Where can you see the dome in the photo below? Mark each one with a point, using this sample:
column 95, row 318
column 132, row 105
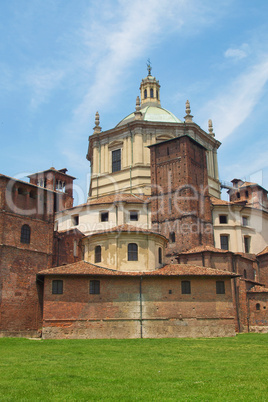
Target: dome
column 153, row 114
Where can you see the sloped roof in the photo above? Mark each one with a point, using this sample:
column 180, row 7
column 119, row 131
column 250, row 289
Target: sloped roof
column 258, row 289
column 264, row 251
column 217, row 201
column 86, row 268
column 200, row 249
column 119, row 197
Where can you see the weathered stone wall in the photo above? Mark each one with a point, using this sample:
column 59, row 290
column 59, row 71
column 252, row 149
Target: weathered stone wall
column 134, row 307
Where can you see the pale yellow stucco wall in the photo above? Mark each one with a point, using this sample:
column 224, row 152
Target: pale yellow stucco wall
column 114, row 251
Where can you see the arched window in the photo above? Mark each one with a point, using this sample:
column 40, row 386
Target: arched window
column 145, row 94
column 156, row 94
column 160, row 255
column 245, row 273
column 98, row 254
column 132, row 251
column 258, row 306
column 25, row 234
column 151, row 93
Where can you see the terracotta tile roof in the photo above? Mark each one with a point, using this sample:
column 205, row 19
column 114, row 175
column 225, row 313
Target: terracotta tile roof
column 217, row 201
column 200, row 249
column 115, row 198
column 258, row 289
column 70, row 231
column 264, row 251
column 127, row 229
column 248, row 183
column 86, row 268
column 251, row 257
column 120, row 197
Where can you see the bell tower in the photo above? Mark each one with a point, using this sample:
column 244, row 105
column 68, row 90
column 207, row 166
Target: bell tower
column 150, row 89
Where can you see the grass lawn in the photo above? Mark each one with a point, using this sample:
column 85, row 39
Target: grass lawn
column 218, row 369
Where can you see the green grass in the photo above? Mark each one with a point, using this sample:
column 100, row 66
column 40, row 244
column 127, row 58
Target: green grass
column 218, row 369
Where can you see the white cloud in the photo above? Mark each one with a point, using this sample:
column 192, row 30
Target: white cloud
column 124, row 33
column 237, row 53
column 41, row 83
column 230, row 109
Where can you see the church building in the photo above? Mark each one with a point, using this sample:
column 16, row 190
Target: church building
column 154, row 252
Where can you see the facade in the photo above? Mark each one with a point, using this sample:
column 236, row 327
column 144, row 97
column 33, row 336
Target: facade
column 145, row 256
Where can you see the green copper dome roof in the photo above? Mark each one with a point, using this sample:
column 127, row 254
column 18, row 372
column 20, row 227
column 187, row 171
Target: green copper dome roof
column 152, row 113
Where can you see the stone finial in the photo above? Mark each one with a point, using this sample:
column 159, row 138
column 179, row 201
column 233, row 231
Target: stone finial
column 210, row 128
column 188, row 118
column 137, row 113
column 138, row 104
column 97, row 128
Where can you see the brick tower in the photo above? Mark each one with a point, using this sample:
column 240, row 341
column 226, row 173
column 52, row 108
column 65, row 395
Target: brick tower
column 180, row 199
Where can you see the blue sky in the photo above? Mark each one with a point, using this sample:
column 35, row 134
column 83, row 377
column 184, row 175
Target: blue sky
column 61, row 61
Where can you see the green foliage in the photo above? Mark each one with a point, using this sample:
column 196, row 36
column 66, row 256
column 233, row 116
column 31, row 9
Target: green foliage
column 218, row 369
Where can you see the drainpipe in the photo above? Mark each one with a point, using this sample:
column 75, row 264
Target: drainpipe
column 141, row 306
column 203, row 258
column 116, row 214
column 236, row 294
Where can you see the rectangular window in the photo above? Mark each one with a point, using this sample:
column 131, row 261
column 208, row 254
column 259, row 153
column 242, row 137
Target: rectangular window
column 94, row 287
column 133, row 216
column 57, row 287
column 247, row 244
column 185, row 287
column 116, row 160
column 104, row 216
column 75, row 220
column 132, row 252
column 172, row 237
column 223, row 219
column 169, row 206
column 224, row 242
column 75, row 248
column 244, row 220
column 220, row 287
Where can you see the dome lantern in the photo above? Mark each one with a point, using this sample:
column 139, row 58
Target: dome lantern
column 150, row 89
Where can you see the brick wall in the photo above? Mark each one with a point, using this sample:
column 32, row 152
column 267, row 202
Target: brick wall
column 258, row 312
column 180, row 201
column 121, row 311
column 20, row 294
column 67, row 247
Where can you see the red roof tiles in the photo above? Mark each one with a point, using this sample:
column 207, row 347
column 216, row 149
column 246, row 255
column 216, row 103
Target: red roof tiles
column 86, row 268
column 258, row 289
column 200, row 249
column 264, row 251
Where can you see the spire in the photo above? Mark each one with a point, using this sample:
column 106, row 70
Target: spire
column 210, row 128
column 97, row 128
column 188, row 118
